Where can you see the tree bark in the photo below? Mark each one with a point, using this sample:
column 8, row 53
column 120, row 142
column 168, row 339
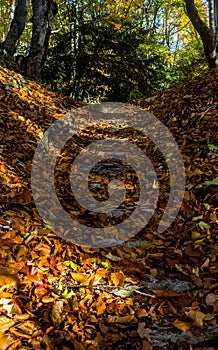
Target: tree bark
column 215, row 5
column 16, row 28
column 207, row 35
column 44, row 12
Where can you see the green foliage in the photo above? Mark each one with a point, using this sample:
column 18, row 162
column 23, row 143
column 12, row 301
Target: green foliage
column 107, row 63
column 116, row 50
column 120, row 51
column 190, row 60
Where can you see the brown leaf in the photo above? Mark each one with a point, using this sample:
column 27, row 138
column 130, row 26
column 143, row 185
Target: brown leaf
column 57, row 312
column 197, row 316
column 121, row 319
column 146, row 345
column 78, row 346
column 166, row 293
column 143, row 331
column 210, row 299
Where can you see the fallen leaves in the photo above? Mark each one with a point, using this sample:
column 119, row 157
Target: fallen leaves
column 8, row 280
column 54, row 294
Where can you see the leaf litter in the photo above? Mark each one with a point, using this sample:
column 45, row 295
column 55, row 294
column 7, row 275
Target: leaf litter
column 157, row 291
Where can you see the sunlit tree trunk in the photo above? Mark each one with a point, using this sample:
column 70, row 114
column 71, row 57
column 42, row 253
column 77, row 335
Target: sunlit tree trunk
column 1, row 29
column 12, row 9
column 16, row 28
column 208, row 35
column 44, row 12
column 216, row 17
column 75, row 18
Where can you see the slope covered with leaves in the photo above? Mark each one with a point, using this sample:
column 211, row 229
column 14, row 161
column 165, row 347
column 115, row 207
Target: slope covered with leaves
column 159, row 292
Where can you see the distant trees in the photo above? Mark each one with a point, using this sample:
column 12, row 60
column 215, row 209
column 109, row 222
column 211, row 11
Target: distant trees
column 109, row 49
column 120, row 50
column 208, row 34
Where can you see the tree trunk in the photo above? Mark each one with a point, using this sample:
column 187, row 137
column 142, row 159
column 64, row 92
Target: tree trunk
column 215, row 5
column 43, row 13
column 12, row 9
column 16, row 28
column 207, row 35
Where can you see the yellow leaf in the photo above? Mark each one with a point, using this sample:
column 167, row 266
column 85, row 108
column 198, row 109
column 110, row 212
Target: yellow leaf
column 6, row 323
column 6, row 295
column 117, row 25
column 5, row 341
column 183, row 326
column 197, row 316
column 79, row 277
column 118, row 278
column 142, row 313
column 8, row 281
column 196, row 235
column 113, row 257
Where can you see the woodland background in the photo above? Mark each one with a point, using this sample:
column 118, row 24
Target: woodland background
column 109, row 50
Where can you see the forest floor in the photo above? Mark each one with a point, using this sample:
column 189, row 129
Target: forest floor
column 161, row 291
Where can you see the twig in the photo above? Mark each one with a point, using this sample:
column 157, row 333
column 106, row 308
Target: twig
column 103, row 286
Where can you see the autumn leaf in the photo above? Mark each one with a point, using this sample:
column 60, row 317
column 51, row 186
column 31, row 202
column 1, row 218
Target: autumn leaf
column 6, row 323
column 121, row 319
column 147, row 345
column 100, row 306
column 117, row 278
column 57, row 315
column 71, row 264
column 183, row 326
column 41, row 290
column 143, row 331
column 197, row 316
column 8, row 280
column 79, row 277
column 78, row 346
column 6, row 340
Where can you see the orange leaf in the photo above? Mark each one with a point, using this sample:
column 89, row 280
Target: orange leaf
column 183, row 326
column 118, row 278
column 8, row 281
column 6, row 340
column 146, row 345
column 100, row 306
